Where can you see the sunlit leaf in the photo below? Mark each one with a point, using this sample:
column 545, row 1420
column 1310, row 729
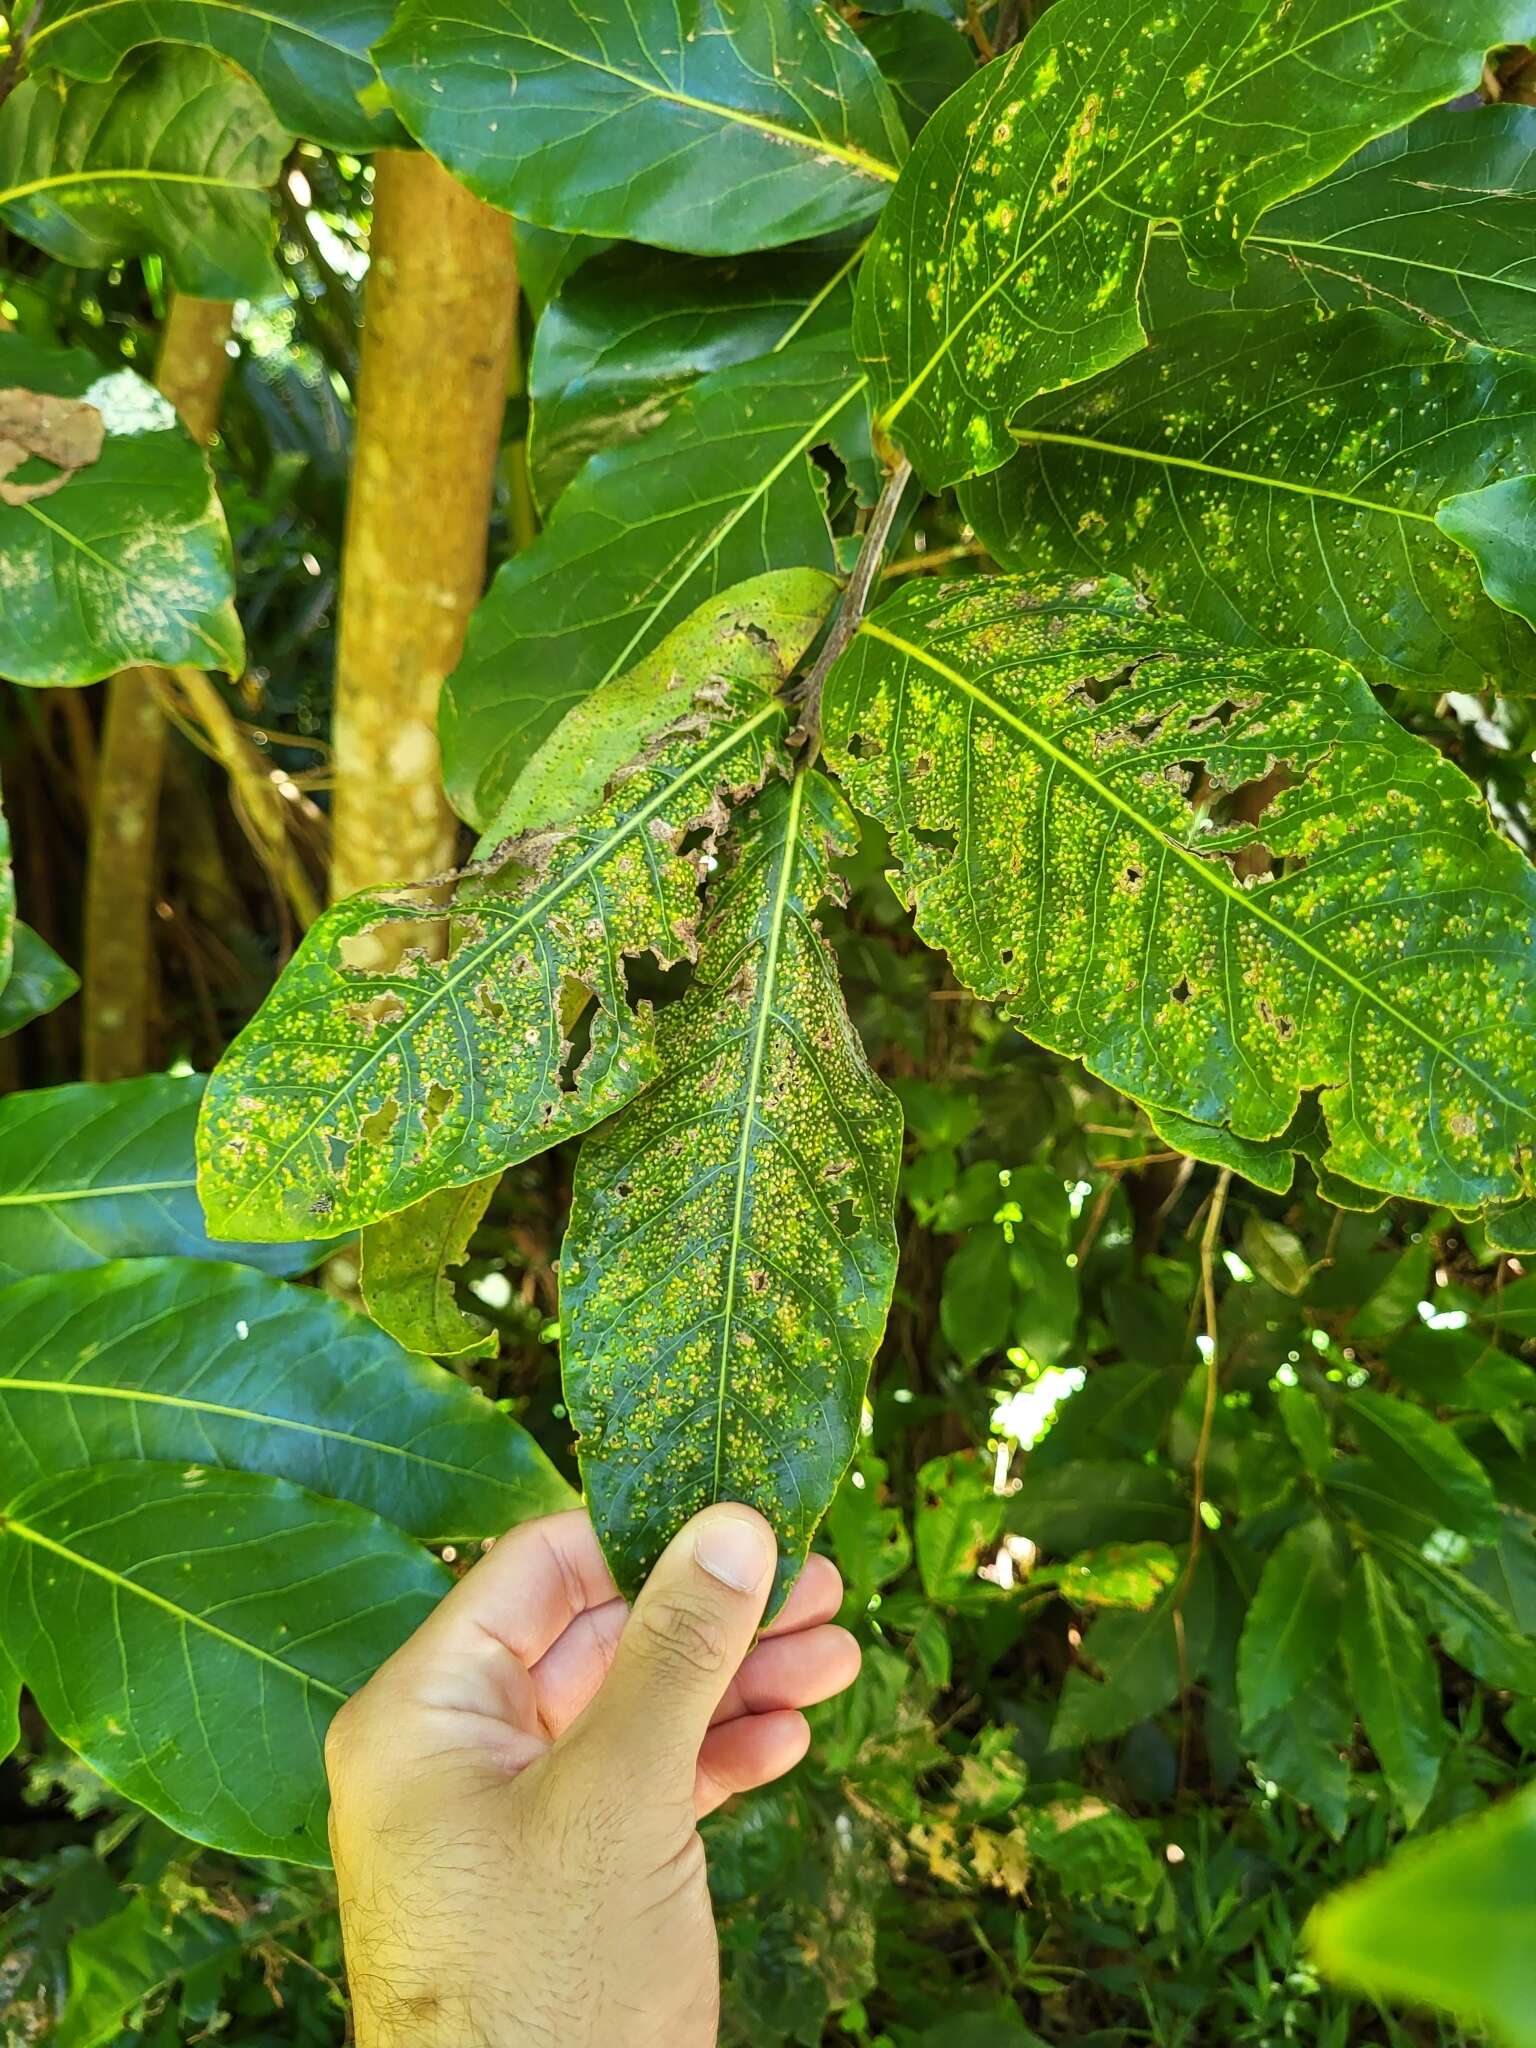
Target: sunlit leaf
column 1008, row 259
column 309, row 57
column 127, row 559
column 186, row 1362
column 408, row 1047
column 191, row 1633
column 956, row 1524
column 731, row 1249
column 732, row 127
column 101, row 1170
column 1446, row 1923
column 721, row 492
column 1065, row 780
column 406, row 1276
column 174, row 157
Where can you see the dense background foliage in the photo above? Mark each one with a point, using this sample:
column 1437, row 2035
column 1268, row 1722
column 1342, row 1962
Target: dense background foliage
column 1190, row 1532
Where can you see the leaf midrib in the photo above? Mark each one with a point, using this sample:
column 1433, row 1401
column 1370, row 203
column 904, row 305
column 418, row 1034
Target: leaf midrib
column 32, row 1198
column 765, row 1011
column 1162, row 459
column 1189, row 115
column 535, row 908
column 129, row 175
column 857, row 159
column 1207, row 873
column 9, row 1526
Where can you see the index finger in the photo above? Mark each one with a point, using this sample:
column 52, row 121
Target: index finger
column 528, row 1588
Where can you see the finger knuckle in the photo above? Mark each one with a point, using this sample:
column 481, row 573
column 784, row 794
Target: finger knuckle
column 687, row 1633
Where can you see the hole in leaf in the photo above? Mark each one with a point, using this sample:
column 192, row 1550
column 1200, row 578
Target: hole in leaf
column 1181, row 989
column 1248, row 801
column 940, row 837
column 377, row 1125
column 863, row 748
column 1099, row 689
column 387, row 1008
column 647, row 981
column 1132, row 877
column 1283, row 1027
column 435, row 1106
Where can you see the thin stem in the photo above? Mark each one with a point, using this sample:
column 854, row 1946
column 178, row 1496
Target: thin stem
column 855, row 600
column 1208, row 1238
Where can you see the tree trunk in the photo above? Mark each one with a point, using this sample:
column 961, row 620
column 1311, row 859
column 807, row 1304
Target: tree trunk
column 120, row 877
column 438, row 314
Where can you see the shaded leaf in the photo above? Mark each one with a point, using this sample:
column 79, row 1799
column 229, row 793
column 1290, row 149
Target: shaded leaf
column 1008, row 259
column 1304, row 1748
column 10, row 1706
column 1275, row 1253
column 309, row 57
column 1058, row 772
column 407, row 1261
column 217, row 1619
column 1433, row 221
column 722, row 491
column 976, row 1298
column 39, row 981
column 633, row 327
column 1075, row 1507
column 218, row 1366
column 407, row 1048
column 129, row 560
column 731, row 1248
column 1506, row 1570
column 958, row 1518
column 174, row 157
column 1119, row 1411
column 1472, row 1628
column 1396, row 1693
column 8, row 924
column 1253, row 471
column 1292, row 1626
column 755, row 124
column 1446, row 1923
column 1137, row 1654
column 1426, row 1462
column 923, row 58
column 101, row 1170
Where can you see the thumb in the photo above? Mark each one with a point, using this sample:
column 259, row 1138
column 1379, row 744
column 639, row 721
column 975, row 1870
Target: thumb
column 692, row 1625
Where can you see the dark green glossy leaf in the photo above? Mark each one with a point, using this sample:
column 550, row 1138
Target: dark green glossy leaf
column 1292, row 1627
column 1396, row 1693
column 1276, row 478
column 1118, row 1412
column 1497, row 527
column 407, row 1265
column 1008, row 259
column 1471, row 1626
column 1058, row 770
column 1446, row 1923
column 1426, row 1461
column 215, row 1365
column 1506, row 1570
column 1304, row 1748
column 191, row 1632
column 632, row 328
column 1074, row 1507
column 730, row 127
column 174, row 157
column 722, row 491
column 1137, row 1654
column 103, row 1170
column 309, row 57
column 1433, row 221
column 408, row 1047
column 731, row 1249
column 128, row 559
column 923, row 58
column 39, row 981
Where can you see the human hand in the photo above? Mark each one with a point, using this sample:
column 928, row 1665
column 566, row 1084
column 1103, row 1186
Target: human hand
column 515, row 1794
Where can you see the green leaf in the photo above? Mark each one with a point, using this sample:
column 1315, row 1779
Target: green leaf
column 1275, row 1253
column 1305, row 1422
column 1058, row 771
column 128, row 560
column 758, row 628
column 1304, row 1748
column 10, row 1706
column 407, row 1048
column 1250, row 469
column 756, row 124
column 191, row 1632
column 923, row 60
column 1075, row 1507
column 1446, row 1923
column 1265, row 1162
column 8, row 923
column 958, row 1518
column 976, row 1301
column 1497, row 527
column 731, row 1249
column 39, row 981
column 721, row 492
column 1426, row 1462
column 1137, row 1652
column 867, row 1535
column 309, row 57
column 1292, row 1628
column 103, row 1170
column 1472, row 1627
column 1433, row 221
column 174, row 157
column 1118, row 1575
column 634, row 327
column 1118, row 1412
column 1506, row 1570
column 406, row 1262
column 1396, row 1692
column 218, row 1366
column 1008, row 259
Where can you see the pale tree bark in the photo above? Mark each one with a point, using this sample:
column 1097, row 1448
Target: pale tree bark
column 438, row 317
column 193, row 366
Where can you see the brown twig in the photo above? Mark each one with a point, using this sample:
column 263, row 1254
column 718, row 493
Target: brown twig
column 851, row 609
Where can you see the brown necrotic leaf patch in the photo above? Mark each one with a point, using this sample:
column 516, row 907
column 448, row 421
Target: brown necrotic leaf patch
column 66, row 432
